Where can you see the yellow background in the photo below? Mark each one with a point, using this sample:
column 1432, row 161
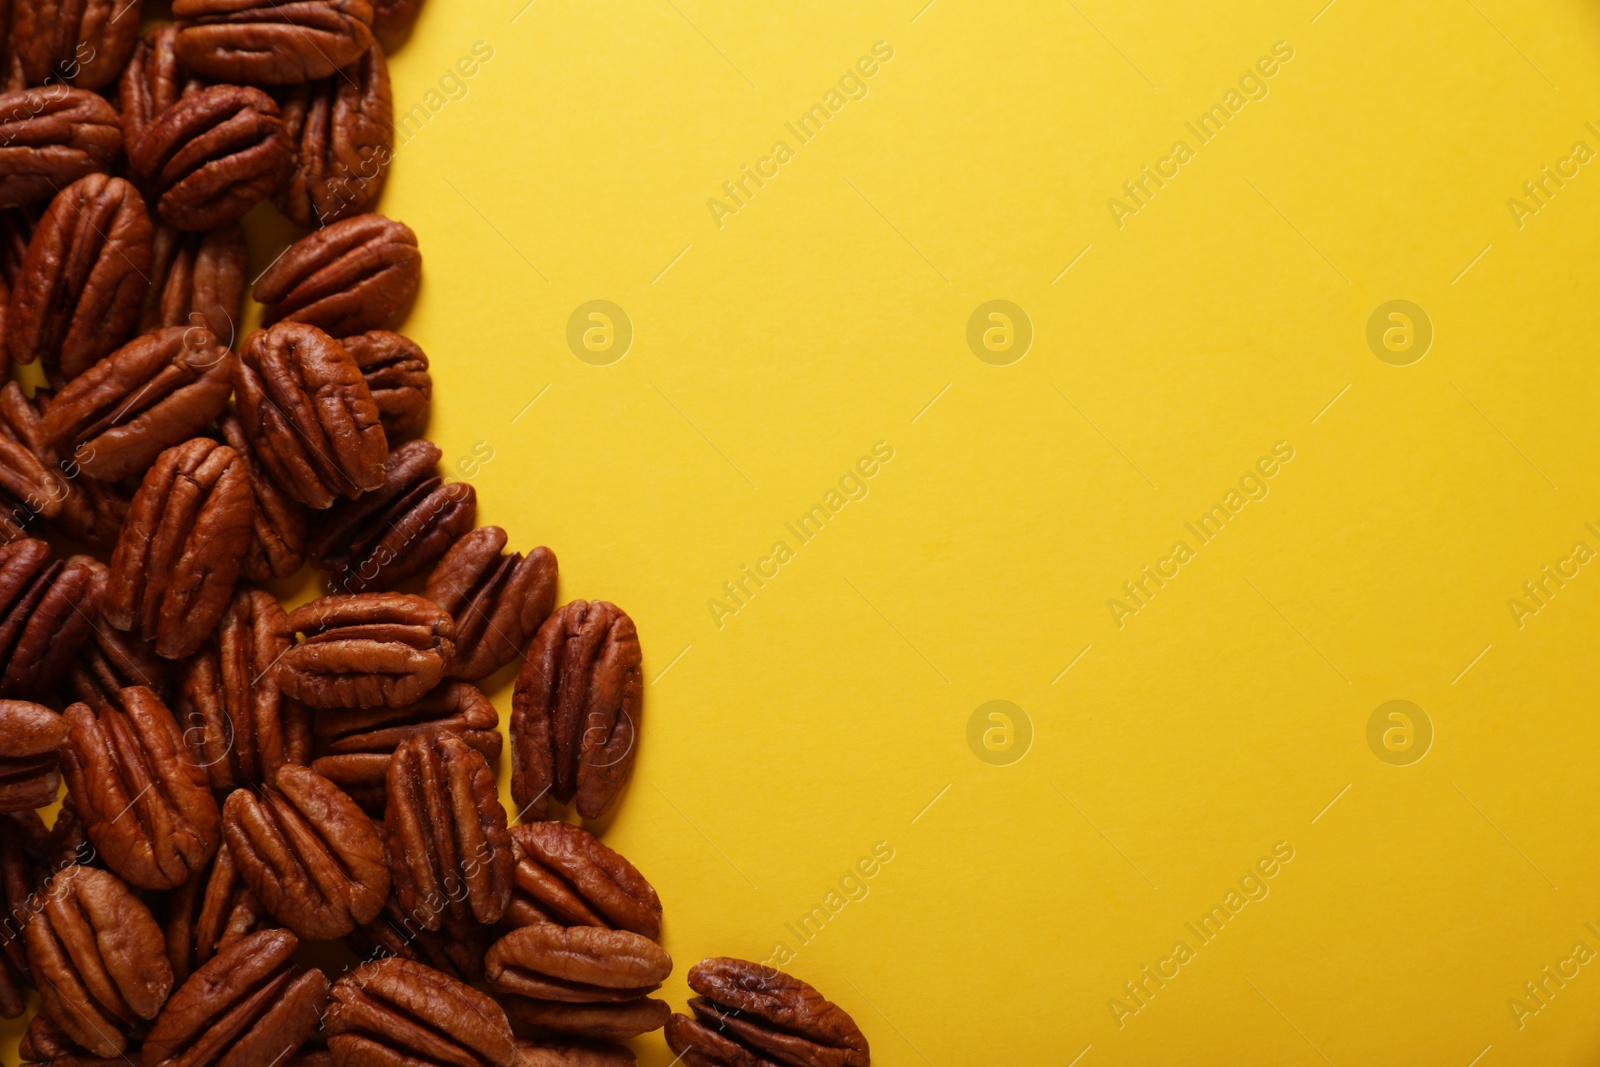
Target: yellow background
column 831, row 712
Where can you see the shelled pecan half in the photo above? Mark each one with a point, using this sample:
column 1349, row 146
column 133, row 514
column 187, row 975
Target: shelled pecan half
column 367, row 650
column 747, row 1013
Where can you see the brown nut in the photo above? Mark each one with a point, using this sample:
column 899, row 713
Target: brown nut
column 498, row 601
column 83, row 279
column 311, row 857
column 358, row 742
column 603, row 1021
column 575, row 713
column 305, row 406
column 238, row 727
column 209, row 913
column 96, row 952
column 396, row 370
column 90, row 511
column 112, row 661
column 45, row 613
column 248, row 1007
column 197, row 279
column 396, row 933
column 152, row 81
column 377, row 541
column 396, row 1011
column 144, row 803
column 187, row 532
column 747, row 1013
column 355, row 275
column 83, row 44
column 574, row 1054
column 268, row 43
column 567, row 876
column 30, row 773
column 367, row 650
column 279, row 546
column 43, row 1044
column 29, row 489
column 450, row 854
column 51, row 137
column 24, row 845
column 154, row 392
column 582, row 979
column 342, row 132
column 212, row 156
column 392, row 21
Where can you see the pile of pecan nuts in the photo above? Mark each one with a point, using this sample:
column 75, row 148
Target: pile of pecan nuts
column 242, row 781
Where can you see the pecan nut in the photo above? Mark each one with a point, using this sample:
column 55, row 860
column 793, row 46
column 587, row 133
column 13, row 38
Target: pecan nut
column 29, row 488
column 581, row 979
column 30, row 772
column 83, row 44
column 45, row 613
column 239, row 728
column 575, row 713
column 567, row 876
column 51, row 137
column 212, row 156
column 366, row 650
column 23, row 844
column 574, row 1054
column 601, row 1021
column 397, row 933
column 83, row 279
column 175, row 564
column 152, row 81
column 311, row 857
column 358, row 742
column 498, row 601
column 90, row 511
column 279, row 546
column 144, row 803
column 375, row 542
column 249, row 1005
column 44, row 1044
column 197, row 280
column 97, row 953
column 112, row 661
column 271, row 44
column 154, row 392
column 355, row 275
column 342, row 130
column 449, row 850
column 392, row 21
column 208, row 914
column 396, row 370
column 396, row 1011
column 304, row 404
column 750, row 1014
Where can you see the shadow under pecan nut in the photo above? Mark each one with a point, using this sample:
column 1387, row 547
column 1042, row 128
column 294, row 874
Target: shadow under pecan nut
column 83, row 279
column 144, row 803
column 375, row 542
column 395, row 932
column 575, row 712
column 303, row 403
column 396, row 370
column 582, row 979
column 251, row 1004
column 311, row 857
column 97, row 953
column 30, row 772
column 449, row 850
column 398, row 1011
column 268, row 43
column 342, row 131
column 498, row 601
column 82, row 43
column 154, row 392
column 24, row 860
column 567, row 876
column 209, row 913
column 197, row 279
column 366, row 650
column 174, row 567
column 238, row 726
column 747, row 1009
column 356, row 275
column 45, row 613
column 212, row 156
column 51, row 137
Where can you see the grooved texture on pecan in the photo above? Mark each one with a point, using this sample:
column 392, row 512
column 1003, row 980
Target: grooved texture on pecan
column 187, row 532
column 45, row 613
column 375, row 542
column 238, row 726
column 498, row 601
column 449, row 850
column 582, row 979
column 51, row 137
column 29, row 488
column 396, row 370
column 144, row 803
column 90, row 511
column 96, row 951
column 750, row 1014
column 355, row 275
column 342, row 132
column 197, row 279
column 83, row 279
column 30, row 774
column 575, row 713
column 397, row 1011
column 154, row 392
column 112, row 661
column 305, row 406
column 311, row 857
column 279, row 545
column 265, row 43
column 567, row 876
column 212, row 156
column 367, row 650
column 209, row 913
column 152, row 81
column 81, row 42
column 248, row 1007
column 395, row 932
